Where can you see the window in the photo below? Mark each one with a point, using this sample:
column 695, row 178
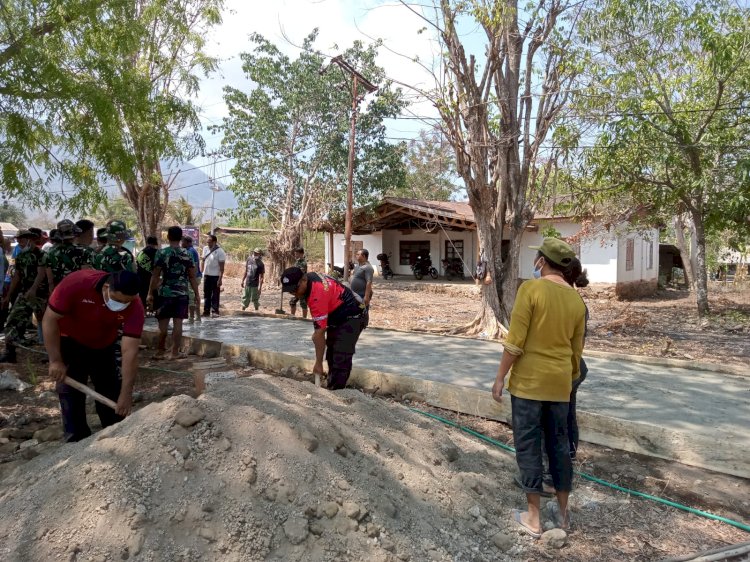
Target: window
column 650, row 254
column 408, row 250
column 629, row 254
column 356, row 246
column 454, row 249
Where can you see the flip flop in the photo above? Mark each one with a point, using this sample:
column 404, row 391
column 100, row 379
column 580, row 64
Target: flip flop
column 543, row 493
column 528, row 530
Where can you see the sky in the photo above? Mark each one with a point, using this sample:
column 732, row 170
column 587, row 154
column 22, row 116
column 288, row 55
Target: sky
column 340, row 23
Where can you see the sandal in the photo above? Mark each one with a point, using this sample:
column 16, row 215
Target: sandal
column 528, row 530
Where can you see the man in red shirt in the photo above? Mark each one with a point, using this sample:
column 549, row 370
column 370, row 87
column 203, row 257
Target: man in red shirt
column 81, row 325
column 338, row 319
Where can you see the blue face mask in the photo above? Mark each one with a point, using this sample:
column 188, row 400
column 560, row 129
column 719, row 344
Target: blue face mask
column 115, row 306
column 537, row 272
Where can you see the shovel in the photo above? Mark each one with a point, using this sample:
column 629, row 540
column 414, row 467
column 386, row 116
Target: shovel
column 90, row 392
column 281, row 310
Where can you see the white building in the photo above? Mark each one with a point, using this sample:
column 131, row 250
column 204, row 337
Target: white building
column 403, row 228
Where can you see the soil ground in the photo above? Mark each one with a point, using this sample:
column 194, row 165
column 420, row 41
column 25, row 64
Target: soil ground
column 609, row 525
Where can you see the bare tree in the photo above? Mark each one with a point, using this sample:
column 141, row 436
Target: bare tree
column 497, row 112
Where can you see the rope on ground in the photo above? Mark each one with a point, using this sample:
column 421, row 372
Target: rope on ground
column 594, row 479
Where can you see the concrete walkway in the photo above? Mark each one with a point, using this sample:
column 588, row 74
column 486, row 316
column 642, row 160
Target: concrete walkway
column 692, row 402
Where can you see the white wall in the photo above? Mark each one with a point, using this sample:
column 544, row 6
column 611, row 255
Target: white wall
column 370, row 242
column 640, row 271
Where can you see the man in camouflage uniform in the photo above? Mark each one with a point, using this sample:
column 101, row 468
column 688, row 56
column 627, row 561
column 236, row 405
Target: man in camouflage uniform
column 30, row 285
column 101, row 239
column 67, row 257
column 145, row 264
column 300, row 262
column 113, row 257
column 173, row 276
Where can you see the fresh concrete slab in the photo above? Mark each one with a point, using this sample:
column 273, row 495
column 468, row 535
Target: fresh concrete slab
column 679, row 409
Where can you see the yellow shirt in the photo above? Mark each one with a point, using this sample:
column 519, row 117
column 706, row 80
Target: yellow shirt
column 546, row 332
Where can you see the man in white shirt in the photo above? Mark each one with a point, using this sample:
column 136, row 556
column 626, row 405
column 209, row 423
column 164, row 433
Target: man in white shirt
column 213, row 262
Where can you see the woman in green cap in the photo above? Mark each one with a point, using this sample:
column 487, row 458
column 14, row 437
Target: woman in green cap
column 542, row 354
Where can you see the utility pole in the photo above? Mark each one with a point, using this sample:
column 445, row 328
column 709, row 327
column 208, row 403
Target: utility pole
column 214, row 188
column 357, row 79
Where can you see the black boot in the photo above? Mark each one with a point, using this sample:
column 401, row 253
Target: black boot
column 9, row 356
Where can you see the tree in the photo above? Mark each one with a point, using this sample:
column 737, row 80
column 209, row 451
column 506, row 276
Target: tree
column 289, row 134
column 496, row 112
column 669, row 92
column 12, row 213
column 181, row 212
column 430, row 169
column 117, row 208
column 45, row 86
column 165, row 63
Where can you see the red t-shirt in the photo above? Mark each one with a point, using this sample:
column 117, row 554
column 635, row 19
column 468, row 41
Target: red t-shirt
column 330, row 302
column 85, row 317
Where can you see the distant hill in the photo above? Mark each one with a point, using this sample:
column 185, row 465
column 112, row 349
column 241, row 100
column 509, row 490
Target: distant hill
column 192, row 183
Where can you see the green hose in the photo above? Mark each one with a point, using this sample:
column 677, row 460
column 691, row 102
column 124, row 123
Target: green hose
column 594, row 479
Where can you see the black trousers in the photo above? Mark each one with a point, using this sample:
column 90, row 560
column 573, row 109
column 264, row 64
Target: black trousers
column 210, row 294
column 144, row 282
column 84, row 363
column 341, row 342
column 532, row 421
column 572, row 419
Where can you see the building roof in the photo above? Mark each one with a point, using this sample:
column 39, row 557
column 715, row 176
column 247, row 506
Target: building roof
column 8, row 229
column 402, row 213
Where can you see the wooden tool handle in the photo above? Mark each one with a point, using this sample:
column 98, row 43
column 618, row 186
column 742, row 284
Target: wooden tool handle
column 90, row 392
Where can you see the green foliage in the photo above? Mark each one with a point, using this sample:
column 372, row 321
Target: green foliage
column 113, row 209
column 549, row 231
column 98, row 88
column 672, row 112
column 181, row 212
column 12, row 213
column 430, row 169
column 289, row 134
column 239, row 246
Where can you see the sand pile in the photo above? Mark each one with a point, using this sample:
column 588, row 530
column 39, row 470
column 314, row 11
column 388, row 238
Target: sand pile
column 265, row 468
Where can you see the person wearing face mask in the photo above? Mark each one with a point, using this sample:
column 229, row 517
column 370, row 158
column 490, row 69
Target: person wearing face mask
column 542, row 352
column 86, row 312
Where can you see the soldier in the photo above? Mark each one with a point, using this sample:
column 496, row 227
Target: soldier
column 300, row 262
column 30, row 285
column 67, row 257
column 145, row 264
column 113, row 257
column 173, row 276
column 101, row 239
column 86, row 236
column 252, row 281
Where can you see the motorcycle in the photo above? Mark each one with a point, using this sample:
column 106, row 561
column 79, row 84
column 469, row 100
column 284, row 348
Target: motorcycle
column 385, row 265
column 423, row 266
column 337, row 272
column 453, row 268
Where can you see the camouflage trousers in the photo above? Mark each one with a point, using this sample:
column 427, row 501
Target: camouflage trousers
column 19, row 317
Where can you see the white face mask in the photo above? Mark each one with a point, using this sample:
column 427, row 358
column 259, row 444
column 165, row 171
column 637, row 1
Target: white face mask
column 113, row 305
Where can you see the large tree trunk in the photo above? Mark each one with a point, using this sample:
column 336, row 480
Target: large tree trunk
column 701, row 270
column 281, row 251
column 687, row 258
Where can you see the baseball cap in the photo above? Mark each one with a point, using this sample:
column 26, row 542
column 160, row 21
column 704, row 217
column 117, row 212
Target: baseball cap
column 117, row 230
column 556, row 251
column 25, row 233
column 290, row 279
column 101, row 232
column 258, row 251
column 67, row 229
column 54, row 235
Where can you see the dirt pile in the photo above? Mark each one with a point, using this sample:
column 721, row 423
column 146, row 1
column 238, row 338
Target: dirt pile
column 265, row 468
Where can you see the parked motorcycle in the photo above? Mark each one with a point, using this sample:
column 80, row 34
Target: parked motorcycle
column 423, row 266
column 337, row 272
column 385, row 265
column 453, row 268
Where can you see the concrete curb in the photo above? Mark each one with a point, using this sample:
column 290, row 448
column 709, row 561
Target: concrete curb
column 717, row 454
column 736, row 370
